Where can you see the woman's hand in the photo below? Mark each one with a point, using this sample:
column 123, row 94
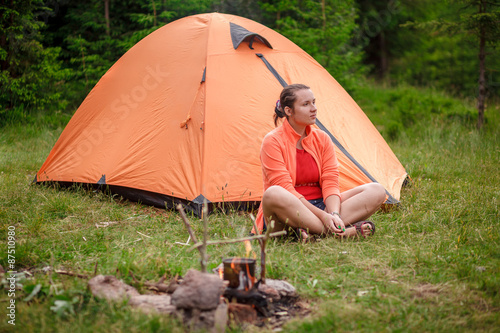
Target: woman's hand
column 339, row 224
column 333, row 223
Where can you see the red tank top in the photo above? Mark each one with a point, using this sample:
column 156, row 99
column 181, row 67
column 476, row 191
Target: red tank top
column 307, row 181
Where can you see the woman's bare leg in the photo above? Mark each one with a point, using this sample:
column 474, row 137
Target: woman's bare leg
column 286, row 210
column 359, row 204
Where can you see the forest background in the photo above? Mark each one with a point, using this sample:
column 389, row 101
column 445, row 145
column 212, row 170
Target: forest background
column 52, row 52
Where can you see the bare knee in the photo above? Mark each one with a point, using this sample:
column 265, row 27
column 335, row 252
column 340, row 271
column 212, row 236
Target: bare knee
column 377, row 193
column 274, row 196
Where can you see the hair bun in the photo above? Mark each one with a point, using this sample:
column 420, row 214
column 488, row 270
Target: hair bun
column 279, row 110
column 278, row 105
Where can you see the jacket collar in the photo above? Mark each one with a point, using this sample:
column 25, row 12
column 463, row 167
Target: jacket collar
column 290, row 133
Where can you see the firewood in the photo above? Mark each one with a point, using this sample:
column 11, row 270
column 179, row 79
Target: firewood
column 81, row 276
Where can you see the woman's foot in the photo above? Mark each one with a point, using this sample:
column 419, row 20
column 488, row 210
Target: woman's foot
column 362, row 228
column 303, row 235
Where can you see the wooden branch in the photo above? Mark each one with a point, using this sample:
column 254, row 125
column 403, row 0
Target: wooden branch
column 229, row 241
column 203, row 248
column 158, row 286
column 262, row 252
column 186, row 222
column 81, row 276
column 133, row 277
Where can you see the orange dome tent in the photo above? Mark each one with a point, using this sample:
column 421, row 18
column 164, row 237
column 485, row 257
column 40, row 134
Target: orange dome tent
column 180, row 118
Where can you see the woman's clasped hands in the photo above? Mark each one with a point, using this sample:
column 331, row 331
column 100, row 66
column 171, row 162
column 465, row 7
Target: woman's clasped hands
column 333, row 223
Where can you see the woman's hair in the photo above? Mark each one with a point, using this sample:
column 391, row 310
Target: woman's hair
column 287, row 98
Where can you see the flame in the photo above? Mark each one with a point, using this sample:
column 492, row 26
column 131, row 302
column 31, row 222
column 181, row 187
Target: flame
column 241, row 269
column 250, row 277
column 248, row 248
column 221, row 273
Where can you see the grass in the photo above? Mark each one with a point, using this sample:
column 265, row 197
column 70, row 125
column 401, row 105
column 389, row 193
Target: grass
column 433, row 265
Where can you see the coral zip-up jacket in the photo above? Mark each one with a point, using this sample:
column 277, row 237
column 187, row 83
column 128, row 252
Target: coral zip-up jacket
column 278, row 158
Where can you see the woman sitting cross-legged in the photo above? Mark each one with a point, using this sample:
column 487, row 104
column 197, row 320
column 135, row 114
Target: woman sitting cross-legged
column 301, row 176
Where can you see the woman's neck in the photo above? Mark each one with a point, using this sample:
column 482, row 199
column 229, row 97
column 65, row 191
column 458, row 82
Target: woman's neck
column 301, row 130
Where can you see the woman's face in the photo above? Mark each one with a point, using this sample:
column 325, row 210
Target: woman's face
column 304, row 109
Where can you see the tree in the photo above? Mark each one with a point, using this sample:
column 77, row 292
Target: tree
column 325, row 30
column 478, row 20
column 379, row 21
column 484, row 23
column 29, row 72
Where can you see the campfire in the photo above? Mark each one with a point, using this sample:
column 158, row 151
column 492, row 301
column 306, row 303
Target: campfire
column 230, row 294
column 250, row 300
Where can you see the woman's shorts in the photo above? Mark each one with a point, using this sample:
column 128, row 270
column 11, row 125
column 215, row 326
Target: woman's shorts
column 315, row 202
column 318, row 203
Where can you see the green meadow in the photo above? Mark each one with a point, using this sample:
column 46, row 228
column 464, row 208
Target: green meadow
column 432, row 266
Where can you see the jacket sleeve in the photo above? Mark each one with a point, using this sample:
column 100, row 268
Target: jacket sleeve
column 274, row 167
column 329, row 169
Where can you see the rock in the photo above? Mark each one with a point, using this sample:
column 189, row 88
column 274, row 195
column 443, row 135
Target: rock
column 110, row 288
column 198, row 291
column 152, row 303
column 214, row 320
column 220, row 318
column 270, row 292
column 242, row 313
column 284, row 288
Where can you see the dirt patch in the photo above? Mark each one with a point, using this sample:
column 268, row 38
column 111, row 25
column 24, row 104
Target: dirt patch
column 427, row 291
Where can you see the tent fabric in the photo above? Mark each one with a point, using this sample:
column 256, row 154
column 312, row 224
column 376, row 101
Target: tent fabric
column 181, row 116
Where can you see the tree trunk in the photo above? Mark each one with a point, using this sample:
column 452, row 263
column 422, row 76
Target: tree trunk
column 325, row 39
column 383, row 55
column 4, row 64
column 154, row 14
column 4, row 43
column 323, row 13
column 482, row 69
column 106, row 16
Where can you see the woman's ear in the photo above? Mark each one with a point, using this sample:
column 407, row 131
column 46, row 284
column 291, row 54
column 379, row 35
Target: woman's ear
column 288, row 111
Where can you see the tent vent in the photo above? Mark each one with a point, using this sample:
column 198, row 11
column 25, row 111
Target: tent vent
column 204, row 75
column 102, row 181
column 240, row 34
